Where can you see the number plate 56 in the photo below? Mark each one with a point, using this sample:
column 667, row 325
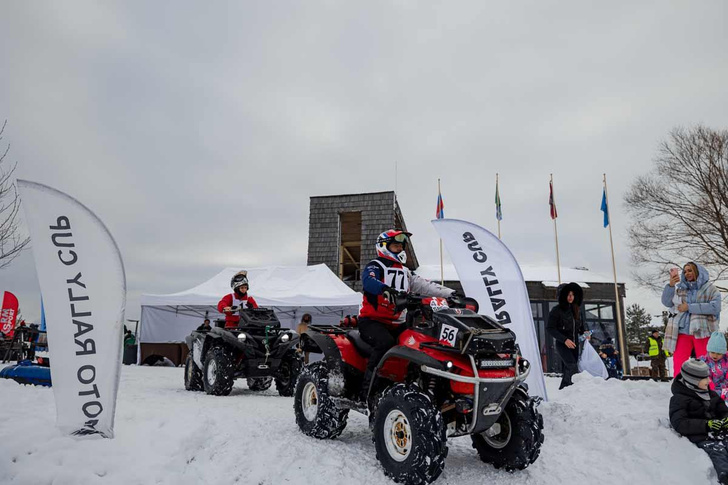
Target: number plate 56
column 448, row 334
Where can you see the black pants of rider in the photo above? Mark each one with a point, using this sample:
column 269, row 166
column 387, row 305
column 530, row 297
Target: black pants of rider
column 717, row 450
column 569, row 359
column 381, row 338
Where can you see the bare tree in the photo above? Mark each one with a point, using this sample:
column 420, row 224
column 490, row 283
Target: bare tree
column 680, row 209
column 12, row 240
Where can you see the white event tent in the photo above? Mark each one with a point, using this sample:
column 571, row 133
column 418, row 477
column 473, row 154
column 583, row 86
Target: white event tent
column 290, row 291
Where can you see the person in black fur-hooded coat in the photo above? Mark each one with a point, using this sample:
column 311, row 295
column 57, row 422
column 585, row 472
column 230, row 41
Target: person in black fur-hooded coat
column 565, row 325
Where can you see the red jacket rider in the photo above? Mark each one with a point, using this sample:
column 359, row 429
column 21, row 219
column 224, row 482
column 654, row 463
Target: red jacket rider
column 239, row 297
column 387, row 273
column 379, row 322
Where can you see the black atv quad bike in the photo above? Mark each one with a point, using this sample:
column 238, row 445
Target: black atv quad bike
column 258, row 349
column 453, row 373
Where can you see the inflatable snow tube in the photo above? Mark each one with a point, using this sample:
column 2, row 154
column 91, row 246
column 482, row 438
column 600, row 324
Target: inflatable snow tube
column 26, row 372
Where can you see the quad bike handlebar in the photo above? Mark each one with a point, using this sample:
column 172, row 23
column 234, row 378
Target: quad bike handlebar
column 404, row 300
column 237, row 308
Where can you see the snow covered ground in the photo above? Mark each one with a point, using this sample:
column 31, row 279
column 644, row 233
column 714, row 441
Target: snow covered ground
column 596, row 432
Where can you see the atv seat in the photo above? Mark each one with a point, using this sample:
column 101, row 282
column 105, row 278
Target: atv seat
column 355, row 338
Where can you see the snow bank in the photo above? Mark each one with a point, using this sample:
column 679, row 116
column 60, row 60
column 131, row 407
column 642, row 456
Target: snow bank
column 596, row 432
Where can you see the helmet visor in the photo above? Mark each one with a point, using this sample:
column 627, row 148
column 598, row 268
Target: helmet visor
column 400, row 238
column 240, row 278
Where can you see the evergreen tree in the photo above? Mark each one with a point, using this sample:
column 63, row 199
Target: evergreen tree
column 638, row 324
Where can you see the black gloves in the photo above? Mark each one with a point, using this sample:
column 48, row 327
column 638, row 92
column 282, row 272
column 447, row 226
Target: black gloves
column 389, row 294
column 456, row 299
column 248, row 305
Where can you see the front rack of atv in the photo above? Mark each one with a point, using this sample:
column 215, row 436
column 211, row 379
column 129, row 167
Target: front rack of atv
column 495, row 408
column 253, row 329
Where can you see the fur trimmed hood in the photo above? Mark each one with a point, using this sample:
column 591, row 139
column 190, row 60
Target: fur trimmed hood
column 563, row 292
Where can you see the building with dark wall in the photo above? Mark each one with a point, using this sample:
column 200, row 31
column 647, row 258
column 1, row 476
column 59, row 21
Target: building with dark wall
column 343, row 230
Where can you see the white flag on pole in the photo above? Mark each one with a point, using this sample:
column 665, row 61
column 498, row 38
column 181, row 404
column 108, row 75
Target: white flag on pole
column 489, row 273
column 83, row 284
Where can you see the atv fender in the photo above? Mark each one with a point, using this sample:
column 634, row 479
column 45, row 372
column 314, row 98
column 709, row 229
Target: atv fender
column 408, row 354
column 217, row 334
column 323, row 344
column 411, row 355
column 522, row 389
column 283, row 348
column 202, row 342
column 206, row 340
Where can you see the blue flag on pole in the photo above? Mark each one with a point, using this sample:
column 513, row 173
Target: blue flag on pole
column 498, row 209
column 42, row 316
column 605, row 208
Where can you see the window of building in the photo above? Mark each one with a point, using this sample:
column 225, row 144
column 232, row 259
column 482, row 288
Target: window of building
column 599, row 318
column 350, row 246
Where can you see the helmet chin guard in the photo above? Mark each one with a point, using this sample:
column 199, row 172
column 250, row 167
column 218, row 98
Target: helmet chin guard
column 388, row 237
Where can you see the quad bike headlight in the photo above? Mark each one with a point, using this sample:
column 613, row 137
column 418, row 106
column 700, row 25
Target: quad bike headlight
column 242, row 336
column 496, row 363
column 285, row 338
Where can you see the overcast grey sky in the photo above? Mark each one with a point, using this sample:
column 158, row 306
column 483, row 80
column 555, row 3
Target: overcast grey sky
column 198, row 131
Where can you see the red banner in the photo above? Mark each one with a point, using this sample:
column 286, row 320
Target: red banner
column 8, row 314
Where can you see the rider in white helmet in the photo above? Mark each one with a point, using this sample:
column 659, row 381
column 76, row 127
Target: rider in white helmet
column 379, row 321
column 239, row 297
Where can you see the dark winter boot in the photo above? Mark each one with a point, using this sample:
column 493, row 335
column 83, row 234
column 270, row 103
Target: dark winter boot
column 364, row 391
column 569, row 370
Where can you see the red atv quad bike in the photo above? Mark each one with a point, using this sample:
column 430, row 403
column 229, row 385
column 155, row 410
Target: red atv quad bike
column 453, row 373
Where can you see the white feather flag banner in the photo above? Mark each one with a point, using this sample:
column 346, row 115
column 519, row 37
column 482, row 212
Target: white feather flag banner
column 83, row 284
column 489, row 272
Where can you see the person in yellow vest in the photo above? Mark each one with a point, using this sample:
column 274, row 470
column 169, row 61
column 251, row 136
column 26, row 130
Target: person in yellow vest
column 657, row 355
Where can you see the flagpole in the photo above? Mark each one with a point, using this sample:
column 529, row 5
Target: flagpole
column 556, row 233
column 442, row 272
column 620, row 333
column 496, row 188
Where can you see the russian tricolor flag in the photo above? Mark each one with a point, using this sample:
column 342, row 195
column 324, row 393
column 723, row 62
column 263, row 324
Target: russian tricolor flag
column 440, row 213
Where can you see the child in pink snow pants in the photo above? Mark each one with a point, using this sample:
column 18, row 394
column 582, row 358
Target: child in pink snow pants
column 717, row 361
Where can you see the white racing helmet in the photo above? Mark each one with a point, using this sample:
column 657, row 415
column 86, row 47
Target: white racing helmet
column 240, row 279
column 391, row 236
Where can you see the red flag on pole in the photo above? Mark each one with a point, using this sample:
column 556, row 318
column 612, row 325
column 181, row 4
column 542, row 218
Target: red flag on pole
column 440, row 211
column 8, row 314
column 552, row 203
